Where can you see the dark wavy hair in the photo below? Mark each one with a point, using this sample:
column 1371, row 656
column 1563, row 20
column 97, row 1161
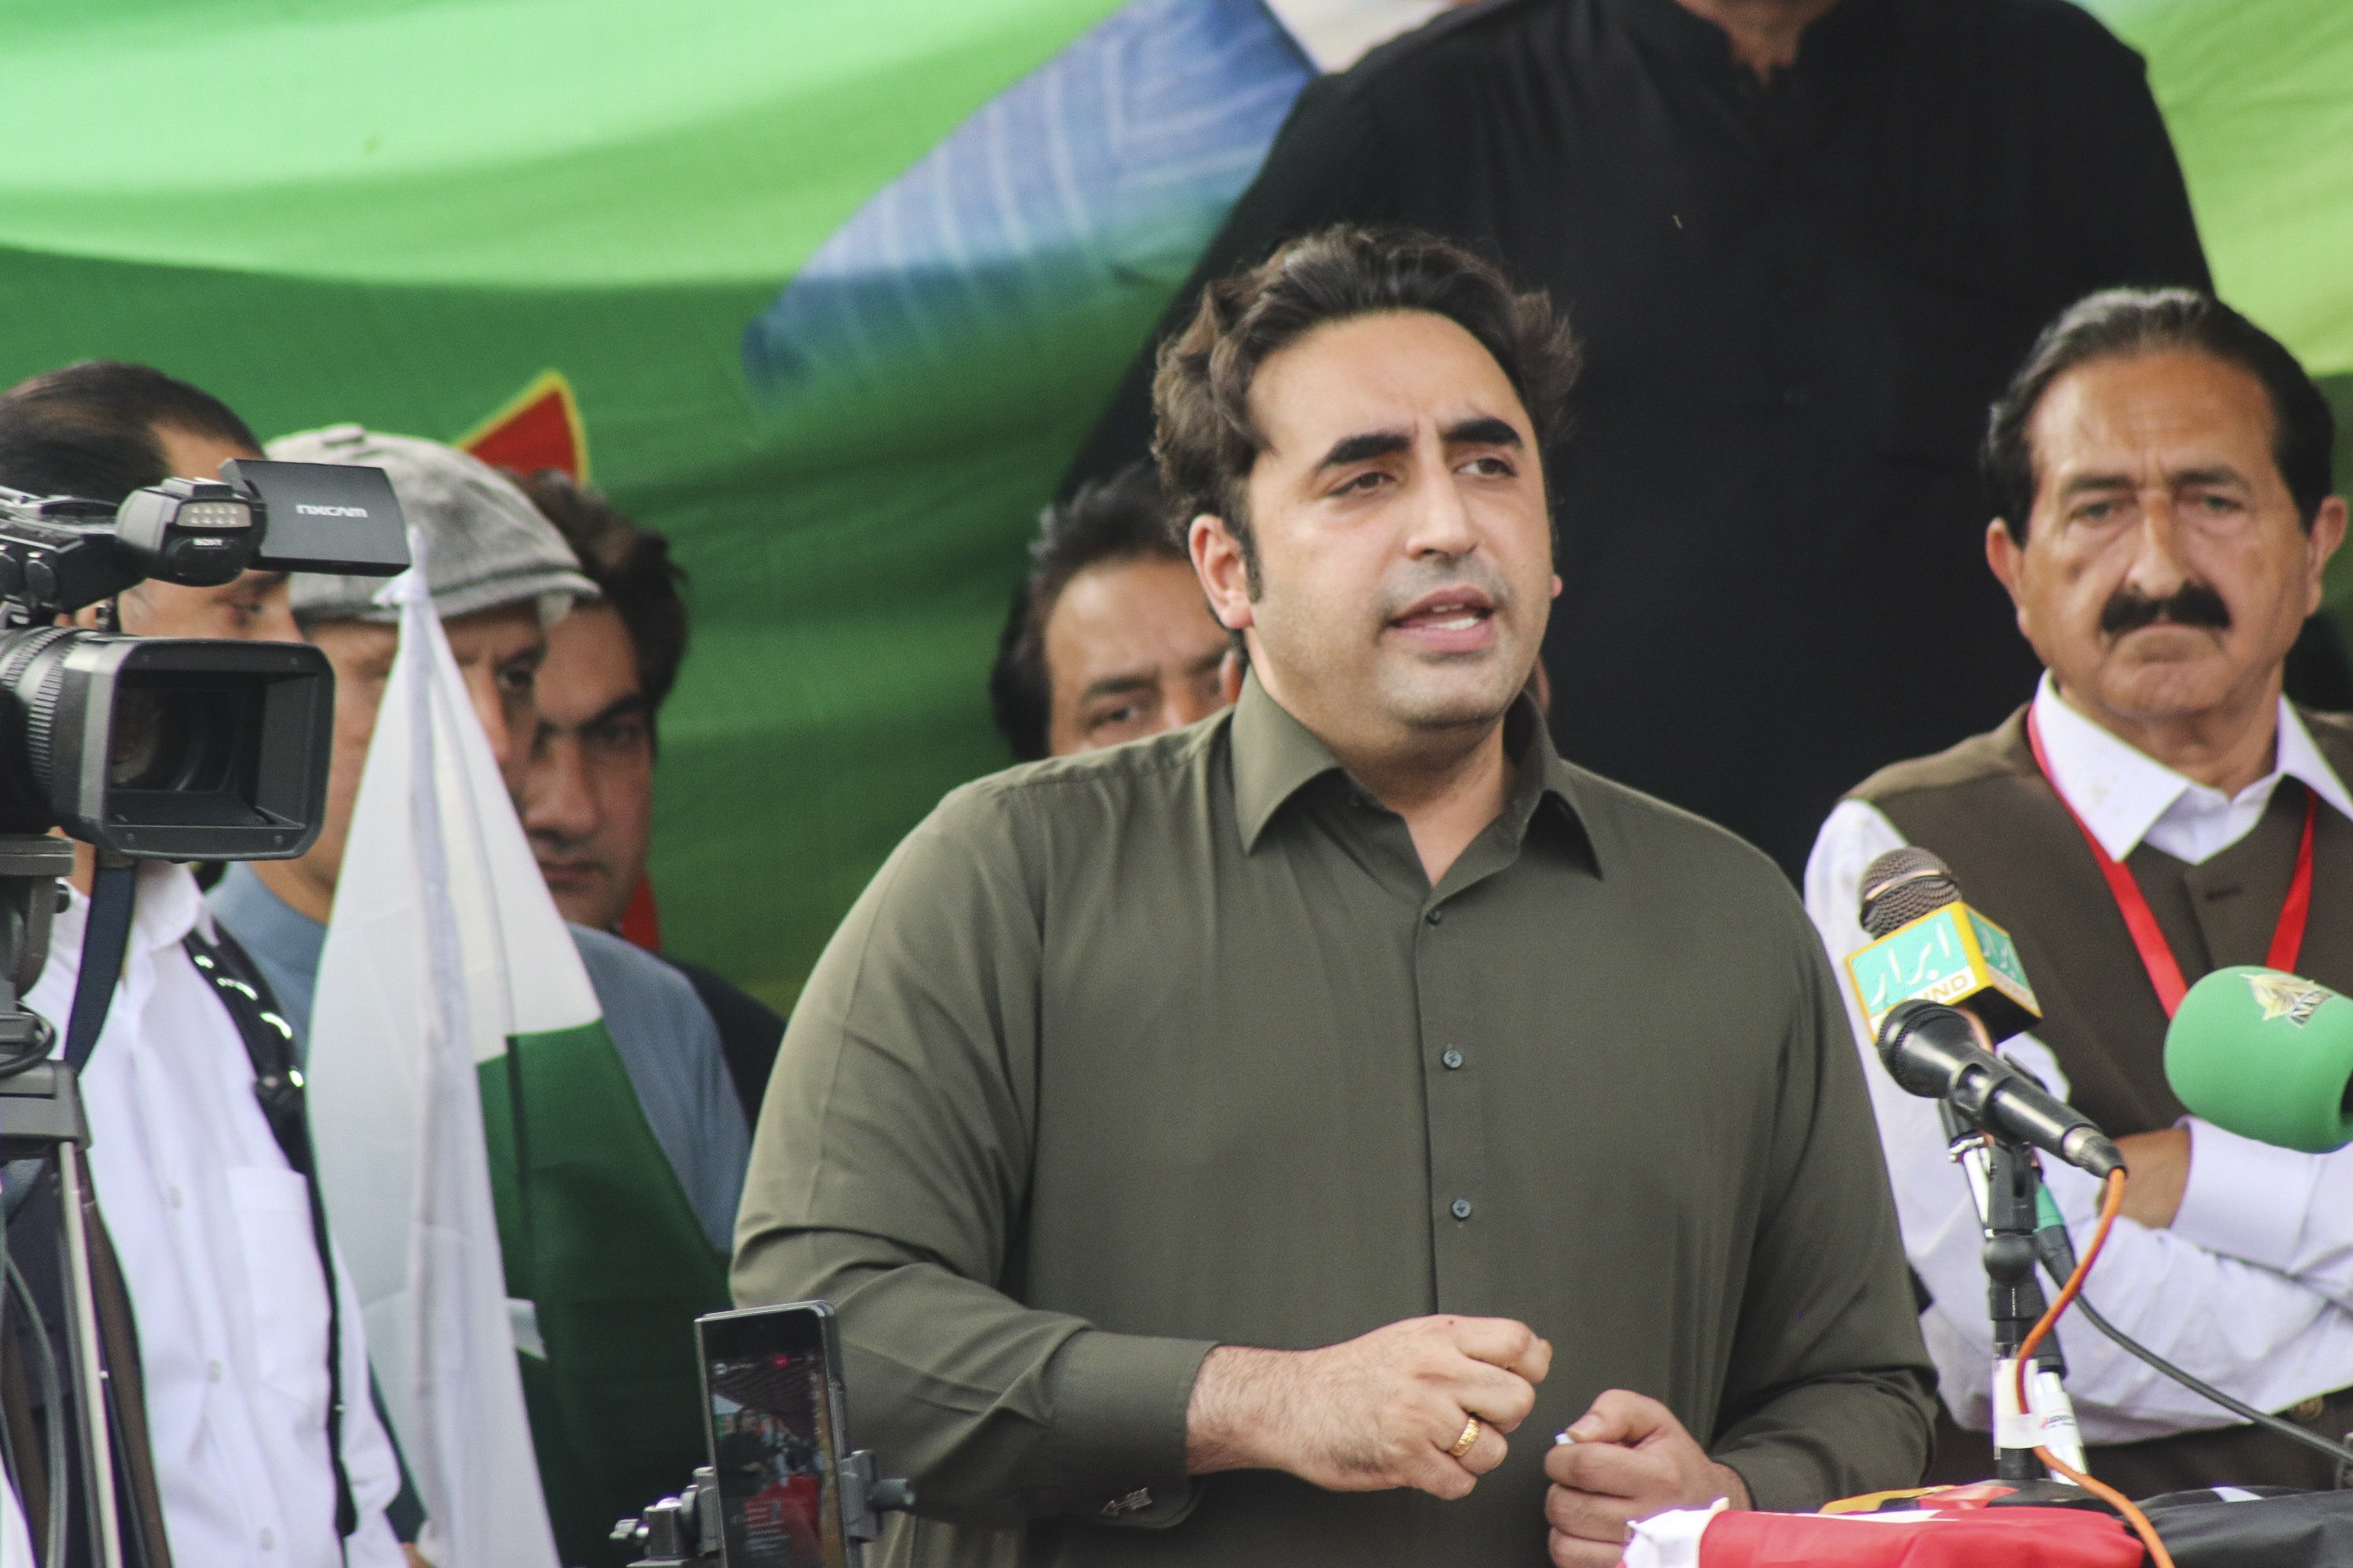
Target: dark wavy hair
column 631, row 567
column 2120, row 323
column 1123, row 518
column 1203, row 438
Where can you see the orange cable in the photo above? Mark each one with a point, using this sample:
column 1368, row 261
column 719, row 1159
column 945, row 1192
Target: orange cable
column 2112, row 1203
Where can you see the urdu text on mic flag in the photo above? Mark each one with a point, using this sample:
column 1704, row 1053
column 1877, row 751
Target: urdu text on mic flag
column 528, row 1266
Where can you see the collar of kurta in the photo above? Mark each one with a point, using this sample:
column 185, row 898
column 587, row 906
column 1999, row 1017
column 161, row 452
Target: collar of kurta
column 2120, row 791
column 1275, row 757
column 1851, row 36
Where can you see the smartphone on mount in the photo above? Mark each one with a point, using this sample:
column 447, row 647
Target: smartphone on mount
column 772, row 1380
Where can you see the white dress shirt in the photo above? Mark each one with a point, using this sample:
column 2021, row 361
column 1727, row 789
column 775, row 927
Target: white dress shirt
column 2251, row 1287
column 213, row 1231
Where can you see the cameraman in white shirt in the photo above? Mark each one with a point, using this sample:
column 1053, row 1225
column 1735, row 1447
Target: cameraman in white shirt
column 211, row 1224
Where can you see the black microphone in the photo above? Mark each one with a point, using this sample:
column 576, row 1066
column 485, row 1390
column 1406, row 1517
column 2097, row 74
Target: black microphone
column 1935, row 1051
column 1932, row 1050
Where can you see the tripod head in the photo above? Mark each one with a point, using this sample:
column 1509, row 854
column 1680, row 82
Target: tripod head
column 32, row 867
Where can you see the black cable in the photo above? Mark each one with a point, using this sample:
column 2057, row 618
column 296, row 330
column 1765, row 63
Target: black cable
column 52, row 1401
column 2057, row 1252
column 9, row 1458
column 34, row 1050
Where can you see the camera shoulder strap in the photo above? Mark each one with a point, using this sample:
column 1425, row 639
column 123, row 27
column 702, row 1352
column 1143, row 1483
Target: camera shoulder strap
column 105, row 939
column 278, row 1086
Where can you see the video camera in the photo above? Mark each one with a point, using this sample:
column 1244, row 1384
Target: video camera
column 176, row 747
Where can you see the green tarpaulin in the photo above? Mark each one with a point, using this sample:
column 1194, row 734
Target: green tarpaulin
column 402, row 211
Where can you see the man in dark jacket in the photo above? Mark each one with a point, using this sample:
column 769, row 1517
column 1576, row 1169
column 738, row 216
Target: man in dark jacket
column 1804, row 243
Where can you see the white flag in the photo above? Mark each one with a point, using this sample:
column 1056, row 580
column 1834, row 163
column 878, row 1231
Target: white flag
column 438, row 909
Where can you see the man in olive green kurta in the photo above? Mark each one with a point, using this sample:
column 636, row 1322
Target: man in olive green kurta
column 1129, row 1055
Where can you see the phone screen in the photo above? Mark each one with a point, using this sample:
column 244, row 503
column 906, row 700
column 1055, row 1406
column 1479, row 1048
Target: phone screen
column 771, row 1378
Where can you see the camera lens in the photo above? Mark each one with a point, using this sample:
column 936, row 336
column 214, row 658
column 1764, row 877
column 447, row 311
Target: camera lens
column 138, row 738
column 167, row 737
column 162, row 747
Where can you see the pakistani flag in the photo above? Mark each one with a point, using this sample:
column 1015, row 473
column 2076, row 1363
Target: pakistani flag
column 528, row 1264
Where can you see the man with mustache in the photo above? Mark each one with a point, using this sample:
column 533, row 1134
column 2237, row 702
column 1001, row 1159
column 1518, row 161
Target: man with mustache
column 1252, row 1144
column 2161, row 468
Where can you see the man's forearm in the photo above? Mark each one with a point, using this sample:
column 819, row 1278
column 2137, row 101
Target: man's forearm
column 2287, row 1212
column 1225, row 1418
column 999, row 1413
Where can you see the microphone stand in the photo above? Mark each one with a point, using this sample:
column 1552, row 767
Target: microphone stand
column 2004, row 1180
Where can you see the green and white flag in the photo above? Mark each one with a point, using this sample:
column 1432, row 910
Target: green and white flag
column 528, row 1264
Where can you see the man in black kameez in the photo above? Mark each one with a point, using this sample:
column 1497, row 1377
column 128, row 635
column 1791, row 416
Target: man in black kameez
column 1804, row 245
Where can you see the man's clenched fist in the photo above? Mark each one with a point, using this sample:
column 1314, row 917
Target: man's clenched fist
column 1383, row 1410
column 1628, row 1459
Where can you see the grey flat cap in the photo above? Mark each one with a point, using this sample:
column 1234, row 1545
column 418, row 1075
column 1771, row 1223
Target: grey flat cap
column 486, row 545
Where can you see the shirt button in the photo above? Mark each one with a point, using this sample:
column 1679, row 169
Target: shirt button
column 2309, row 1410
column 212, row 1371
column 1453, row 1058
column 269, row 1538
column 1434, row 916
column 172, row 1194
column 1460, row 1208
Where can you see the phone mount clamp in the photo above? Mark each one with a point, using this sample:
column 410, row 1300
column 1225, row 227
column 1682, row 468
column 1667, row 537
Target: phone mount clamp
column 685, row 1531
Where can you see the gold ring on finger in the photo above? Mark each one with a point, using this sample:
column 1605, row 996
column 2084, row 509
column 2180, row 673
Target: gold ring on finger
column 1463, row 1445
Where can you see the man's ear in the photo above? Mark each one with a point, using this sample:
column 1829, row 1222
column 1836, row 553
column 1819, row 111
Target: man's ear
column 2327, row 533
column 2006, row 557
column 1217, row 560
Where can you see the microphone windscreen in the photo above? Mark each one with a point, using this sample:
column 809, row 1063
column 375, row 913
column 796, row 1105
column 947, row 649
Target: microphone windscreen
column 1903, row 885
column 2265, row 1055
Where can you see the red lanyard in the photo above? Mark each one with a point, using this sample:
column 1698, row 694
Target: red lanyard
column 2156, row 952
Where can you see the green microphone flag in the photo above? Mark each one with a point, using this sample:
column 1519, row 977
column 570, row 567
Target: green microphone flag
column 1953, row 955
column 2267, row 1055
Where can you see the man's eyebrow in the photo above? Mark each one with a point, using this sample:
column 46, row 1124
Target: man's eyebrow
column 629, row 705
column 1359, row 448
column 2213, row 474
column 534, row 655
column 1118, row 685
column 1208, row 661
column 632, row 705
column 1484, row 431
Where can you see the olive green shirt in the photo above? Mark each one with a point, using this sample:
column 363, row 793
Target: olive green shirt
column 1130, row 1054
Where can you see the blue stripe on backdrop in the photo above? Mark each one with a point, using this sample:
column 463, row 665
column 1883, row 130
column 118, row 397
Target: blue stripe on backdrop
column 1094, row 179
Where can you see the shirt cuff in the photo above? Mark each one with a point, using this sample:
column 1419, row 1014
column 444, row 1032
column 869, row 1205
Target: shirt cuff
column 1120, row 1403
column 2244, row 1199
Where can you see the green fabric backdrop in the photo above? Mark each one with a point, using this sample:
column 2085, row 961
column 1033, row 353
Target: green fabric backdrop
column 400, row 211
